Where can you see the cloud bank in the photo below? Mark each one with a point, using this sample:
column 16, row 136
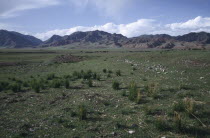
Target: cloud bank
column 140, row 27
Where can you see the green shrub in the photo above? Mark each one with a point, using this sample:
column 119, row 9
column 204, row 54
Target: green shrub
column 177, row 121
column 152, row 90
column 89, row 71
column 4, row 85
column 104, row 70
column 56, row 84
column 94, row 75
column 42, row 83
column 73, row 114
column 67, row 83
column 139, row 97
column 133, row 91
column 161, row 124
column 118, row 73
column 19, row 81
column 77, row 75
column 189, row 105
column 110, row 72
column 98, row 77
column 90, row 83
column 115, row 85
column 123, row 93
column 35, row 85
column 1, row 87
column 185, row 87
column 82, row 112
column 13, row 79
column 109, row 76
column 51, row 76
column 67, row 76
column 16, row 87
column 25, row 84
column 179, row 106
column 86, row 75
column 134, row 69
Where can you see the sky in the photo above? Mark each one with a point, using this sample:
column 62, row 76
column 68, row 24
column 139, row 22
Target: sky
column 131, row 18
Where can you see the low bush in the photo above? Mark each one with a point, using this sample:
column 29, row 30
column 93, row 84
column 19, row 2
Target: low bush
column 104, row 70
column 133, row 90
column 56, row 84
column 134, row 69
column 67, row 83
column 90, row 83
column 51, row 76
column 16, row 87
column 87, row 75
column 98, row 77
column 177, row 121
column 35, row 85
column 82, row 113
column 152, row 90
column 110, row 72
column 77, row 75
column 4, row 85
column 139, row 97
column 123, row 93
column 25, row 84
column 115, row 85
column 118, row 73
column 109, row 75
column 189, row 105
column 179, row 106
column 94, row 75
column 161, row 124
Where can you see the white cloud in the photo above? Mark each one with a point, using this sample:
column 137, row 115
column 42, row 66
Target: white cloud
column 197, row 23
column 142, row 26
column 11, row 8
column 112, row 8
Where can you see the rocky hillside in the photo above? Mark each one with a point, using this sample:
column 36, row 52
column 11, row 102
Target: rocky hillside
column 87, row 38
column 11, row 39
column 201, row 37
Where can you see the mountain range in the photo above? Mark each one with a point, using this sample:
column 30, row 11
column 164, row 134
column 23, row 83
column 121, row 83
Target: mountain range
column 101, row 39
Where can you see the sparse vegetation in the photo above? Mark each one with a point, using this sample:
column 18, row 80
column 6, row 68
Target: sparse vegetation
column 149, row 103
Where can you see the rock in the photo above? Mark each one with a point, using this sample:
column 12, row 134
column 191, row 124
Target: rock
column 131, row 131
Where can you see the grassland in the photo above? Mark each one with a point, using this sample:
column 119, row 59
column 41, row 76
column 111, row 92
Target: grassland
column 173, row 94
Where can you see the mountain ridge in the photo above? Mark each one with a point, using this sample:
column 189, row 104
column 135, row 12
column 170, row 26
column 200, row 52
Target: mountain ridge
column 101, row 39
column 13, row 39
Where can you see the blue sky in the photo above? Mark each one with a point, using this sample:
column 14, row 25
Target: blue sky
column 43, row 18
